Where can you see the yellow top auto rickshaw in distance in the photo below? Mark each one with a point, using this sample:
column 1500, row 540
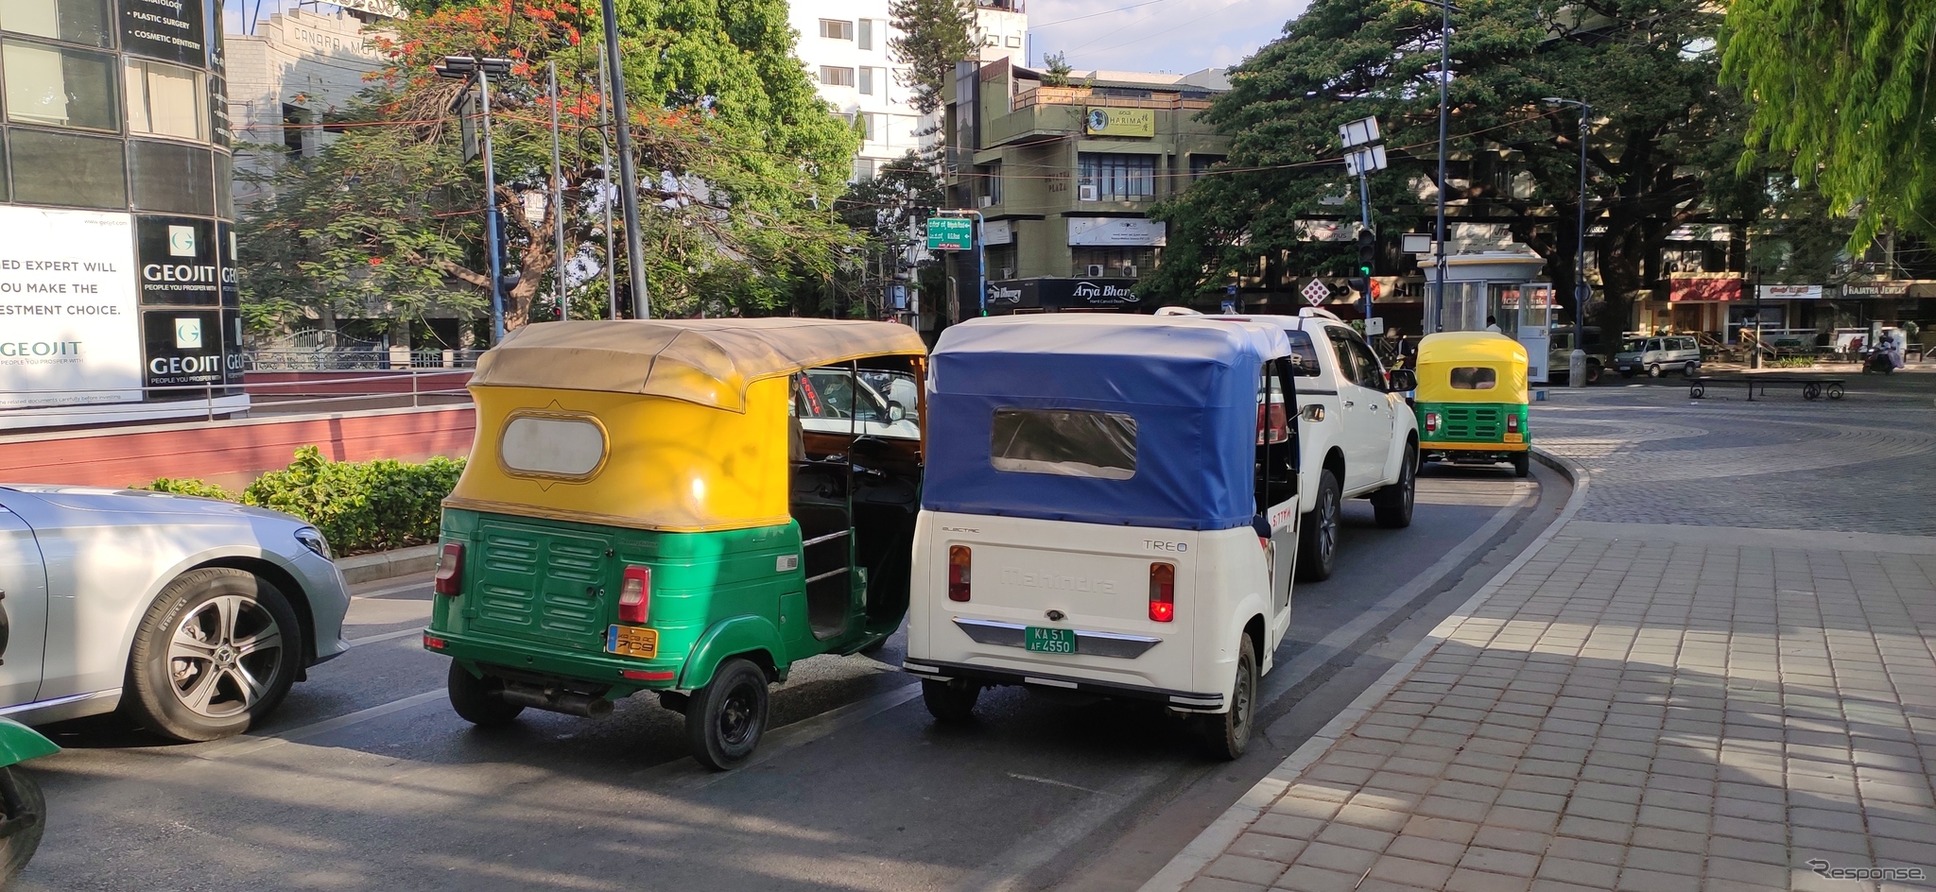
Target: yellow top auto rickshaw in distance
column 686, row 507
column 1472, row 400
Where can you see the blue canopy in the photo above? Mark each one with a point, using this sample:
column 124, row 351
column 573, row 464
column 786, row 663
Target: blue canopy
column 1132, row 420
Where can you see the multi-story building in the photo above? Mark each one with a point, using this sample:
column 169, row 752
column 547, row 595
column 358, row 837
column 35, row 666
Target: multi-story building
column 844, row 45
column 1064, row 176
column 291, row 72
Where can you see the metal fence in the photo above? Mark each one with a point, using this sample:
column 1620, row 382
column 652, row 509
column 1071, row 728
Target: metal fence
column 352, row 360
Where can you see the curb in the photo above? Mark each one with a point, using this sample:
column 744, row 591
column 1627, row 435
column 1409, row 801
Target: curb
column 361, row 568
column 1217, row 838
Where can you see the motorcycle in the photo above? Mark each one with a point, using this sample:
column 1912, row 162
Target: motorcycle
column 23, row 810
column 1880, row 361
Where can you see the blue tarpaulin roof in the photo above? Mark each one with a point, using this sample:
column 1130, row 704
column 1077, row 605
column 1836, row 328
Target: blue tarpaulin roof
column 1190, row 385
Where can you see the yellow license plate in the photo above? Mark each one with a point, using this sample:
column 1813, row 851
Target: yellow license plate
column 632, row 641
column 1512, row 438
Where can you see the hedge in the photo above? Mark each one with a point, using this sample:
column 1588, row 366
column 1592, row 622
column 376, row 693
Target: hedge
column 360, row 506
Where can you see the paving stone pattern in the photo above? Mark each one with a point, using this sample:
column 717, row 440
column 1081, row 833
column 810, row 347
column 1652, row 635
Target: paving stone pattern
column 1641, row 712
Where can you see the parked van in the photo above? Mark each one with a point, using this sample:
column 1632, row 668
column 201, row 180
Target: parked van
column 1654, row 355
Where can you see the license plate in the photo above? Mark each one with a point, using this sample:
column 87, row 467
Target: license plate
column 632, row 641
column 1050, row 641
column 1513, row 438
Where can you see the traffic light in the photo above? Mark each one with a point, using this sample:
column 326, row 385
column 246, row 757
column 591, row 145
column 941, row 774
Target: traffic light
column 1367, row 255
column 509, row 274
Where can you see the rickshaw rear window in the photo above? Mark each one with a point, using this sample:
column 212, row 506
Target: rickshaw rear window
column 551, row 446
column 1070, row 442
column 1474, row 378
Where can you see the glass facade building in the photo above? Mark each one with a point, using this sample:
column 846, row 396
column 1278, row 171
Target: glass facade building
column 115, row 203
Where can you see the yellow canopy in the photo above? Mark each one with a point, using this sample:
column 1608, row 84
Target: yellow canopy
column 1466, row 346
column 706, row 361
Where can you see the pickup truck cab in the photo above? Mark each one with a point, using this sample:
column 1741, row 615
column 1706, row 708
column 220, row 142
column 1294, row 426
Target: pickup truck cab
column 1359, row 435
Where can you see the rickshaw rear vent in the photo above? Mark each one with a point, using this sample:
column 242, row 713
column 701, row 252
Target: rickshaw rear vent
column 1162, row 592
column 960, row 561
column 635, row 596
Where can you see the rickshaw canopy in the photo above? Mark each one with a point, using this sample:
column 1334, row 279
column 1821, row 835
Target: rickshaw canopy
column 1175, row 398
column 1471, row 367
column 706, row 361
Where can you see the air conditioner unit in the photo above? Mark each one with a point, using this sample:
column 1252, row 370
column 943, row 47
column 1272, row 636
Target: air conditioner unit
column 1086, row 192
column 987, row 200
column 1095, row 269
column 1129, row 270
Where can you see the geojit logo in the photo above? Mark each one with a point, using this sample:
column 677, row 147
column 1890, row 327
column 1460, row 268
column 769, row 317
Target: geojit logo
column 181, row 241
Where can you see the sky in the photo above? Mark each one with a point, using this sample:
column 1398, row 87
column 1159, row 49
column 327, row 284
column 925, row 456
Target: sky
column 1177, row 36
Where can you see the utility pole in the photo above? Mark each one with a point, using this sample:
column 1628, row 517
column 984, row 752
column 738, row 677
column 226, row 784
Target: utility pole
column 605, row 149
column 461, row 68
column 628, row 172
column 1364, row 153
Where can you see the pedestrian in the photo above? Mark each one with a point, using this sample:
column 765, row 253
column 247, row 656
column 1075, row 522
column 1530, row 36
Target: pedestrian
column 1492, row 325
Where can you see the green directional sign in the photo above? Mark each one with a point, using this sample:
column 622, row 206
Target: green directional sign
column 951, row 234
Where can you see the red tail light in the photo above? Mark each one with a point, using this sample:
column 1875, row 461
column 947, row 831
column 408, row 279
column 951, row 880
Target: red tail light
column 635, row 596
column 1162, row 592
column 450, row 570
column 1512, row 423
column 959, row 561
column 1431, row 422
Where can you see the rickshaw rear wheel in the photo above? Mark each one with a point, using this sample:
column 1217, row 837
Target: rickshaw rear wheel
column 1392, row 505
column 476, row 699
column 1522, row 463
column 1227, row 735
column 1317, row 544
column 951, row 702
column 725, row 718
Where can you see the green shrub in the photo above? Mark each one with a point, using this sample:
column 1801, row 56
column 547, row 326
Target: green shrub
column 360, row 506
column 1792, row 362
column 189, row 486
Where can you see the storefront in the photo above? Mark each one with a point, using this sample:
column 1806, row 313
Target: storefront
column 1054, row 295
column 117, row 277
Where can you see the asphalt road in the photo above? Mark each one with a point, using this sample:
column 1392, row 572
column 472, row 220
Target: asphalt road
column 366, row 779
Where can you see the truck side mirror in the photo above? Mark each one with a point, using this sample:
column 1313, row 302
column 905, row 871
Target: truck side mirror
column 1403, row 381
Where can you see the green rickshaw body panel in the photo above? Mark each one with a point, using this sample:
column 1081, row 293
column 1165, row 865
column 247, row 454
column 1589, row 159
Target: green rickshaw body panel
column 18, row 743
column 539, row 595
column 1474, row 425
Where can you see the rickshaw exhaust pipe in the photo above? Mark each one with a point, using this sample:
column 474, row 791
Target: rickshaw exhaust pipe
column 568, row 702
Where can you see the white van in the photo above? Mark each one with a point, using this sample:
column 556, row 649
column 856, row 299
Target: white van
column 1658, row 354
column 1109, row 506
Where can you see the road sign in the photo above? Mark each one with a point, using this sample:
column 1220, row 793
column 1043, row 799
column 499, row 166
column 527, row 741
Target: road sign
column 951, row 234
column 1316, row 292
column 1362, row 160
column 1360, row 132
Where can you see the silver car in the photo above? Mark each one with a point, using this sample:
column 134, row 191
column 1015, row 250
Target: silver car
column 191, row 616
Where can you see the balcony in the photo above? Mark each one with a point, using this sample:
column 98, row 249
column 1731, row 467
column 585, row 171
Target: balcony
column 1089, row 96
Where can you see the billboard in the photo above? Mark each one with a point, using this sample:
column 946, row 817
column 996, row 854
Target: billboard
column 68, row 329
column 1119, row 122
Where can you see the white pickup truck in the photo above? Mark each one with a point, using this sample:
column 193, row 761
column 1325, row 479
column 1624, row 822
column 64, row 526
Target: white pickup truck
column 1359, row 435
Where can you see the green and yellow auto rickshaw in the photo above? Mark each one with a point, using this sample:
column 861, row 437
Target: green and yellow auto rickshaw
column 1472, row 400
column 686, row 507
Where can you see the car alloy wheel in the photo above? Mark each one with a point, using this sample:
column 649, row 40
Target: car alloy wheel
column 224, row 655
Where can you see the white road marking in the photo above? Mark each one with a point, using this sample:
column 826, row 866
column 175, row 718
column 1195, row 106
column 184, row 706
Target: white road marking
column 1056, row 783
column 685, row 774
column 250, row 743
column 386, row 636
column 391, row 590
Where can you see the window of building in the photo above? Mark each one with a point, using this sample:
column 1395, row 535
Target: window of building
column 172, row 177
column 5, row 192
column 1128, row 262
column 863, row 169
column 836, row 29
column 293, row 118
column 75, row 21
column 68, row 169
column 1014, row 40
column 59, row 86
column 166, row 100
column 1201, row 164
column 867, row 81
column 991, row 182
column 876, row 124
column 836, row 77
column 866, row 34
column 1117, row 177
column 224, row 195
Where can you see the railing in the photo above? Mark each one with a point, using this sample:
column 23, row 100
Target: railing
column 1040, row 96
column 346, row 360
column 421, row 387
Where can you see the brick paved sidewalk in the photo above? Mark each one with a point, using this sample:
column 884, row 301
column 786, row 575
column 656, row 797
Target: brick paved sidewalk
column 1628, row 706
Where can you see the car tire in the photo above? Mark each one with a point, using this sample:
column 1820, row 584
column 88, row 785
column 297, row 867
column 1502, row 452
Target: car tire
column 725, row 718
column 1691, row 369
column 1653, row 371
column 1593, row 372
column 1392, row 505
column 1317, row 541
column 1226, row 735
column 1522, row 464
column 21, row 796
column 476, row 699
column 216, row 651
column 951, row 702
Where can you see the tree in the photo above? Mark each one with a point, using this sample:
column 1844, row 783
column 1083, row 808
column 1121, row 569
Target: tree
column 1057, row 74
column 933, row 36
column 890, row 211
column 740, row 164
column 1660, row 146
column 1843, row 91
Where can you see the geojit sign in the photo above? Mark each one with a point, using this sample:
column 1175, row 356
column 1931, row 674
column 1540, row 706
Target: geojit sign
column 68, row 330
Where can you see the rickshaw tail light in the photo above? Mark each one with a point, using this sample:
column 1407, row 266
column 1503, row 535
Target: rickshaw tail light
column 450, row 570
column 635, row 596
column 1162, row 592
column 1431, row 422
column 1512, row 423
column 960, row 562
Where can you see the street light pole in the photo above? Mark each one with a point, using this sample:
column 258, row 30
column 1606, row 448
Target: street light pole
column 628, row 192
column 1576, row 361
column 557, row 195
column 461, row 68
column 1437, row 322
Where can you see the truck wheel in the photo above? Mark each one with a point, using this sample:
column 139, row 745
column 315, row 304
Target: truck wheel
column 217, row 650
column 1317, row 541
column 726, row 717
column 1227, row 735
column 476, row 699
column 1392, row 505
column 1593, row 372
column 1522, row 463
column 951, row 702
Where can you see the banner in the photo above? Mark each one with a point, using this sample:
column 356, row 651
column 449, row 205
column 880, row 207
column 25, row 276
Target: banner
column 1119, row 122
column 178, row 262
column 174, row 30
column 1105, row 231
column 68, row 332
column 1791, row 292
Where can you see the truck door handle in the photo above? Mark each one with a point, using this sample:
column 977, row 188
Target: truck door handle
column 1349, row 403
